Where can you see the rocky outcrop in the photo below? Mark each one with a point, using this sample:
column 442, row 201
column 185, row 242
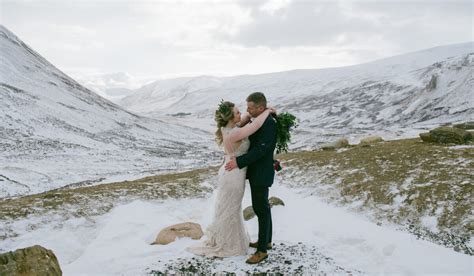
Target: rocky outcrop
column 340, row 143
column 447, row 135
column 433, row 83
column 249, row 213
column 274, row 201
column 186, row 229
column 367, row 141
column 34, row 260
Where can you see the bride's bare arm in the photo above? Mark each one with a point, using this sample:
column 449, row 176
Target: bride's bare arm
column 248, row 129
column 245, row 120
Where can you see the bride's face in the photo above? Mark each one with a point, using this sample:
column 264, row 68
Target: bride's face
column 236, row 115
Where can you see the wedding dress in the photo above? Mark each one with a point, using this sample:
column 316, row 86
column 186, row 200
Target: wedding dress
column 227, row 235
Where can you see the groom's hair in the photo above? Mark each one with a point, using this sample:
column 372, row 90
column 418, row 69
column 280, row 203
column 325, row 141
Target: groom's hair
column 258, row 98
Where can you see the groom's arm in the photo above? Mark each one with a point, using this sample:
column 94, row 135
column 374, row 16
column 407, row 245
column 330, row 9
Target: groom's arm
column 263, row 145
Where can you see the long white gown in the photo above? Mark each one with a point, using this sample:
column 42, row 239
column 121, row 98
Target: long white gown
column 227, row 235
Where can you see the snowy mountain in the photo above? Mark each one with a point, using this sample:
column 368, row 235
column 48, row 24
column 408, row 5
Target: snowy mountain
column 113, row 86
column 55, row 132
column 390, row 97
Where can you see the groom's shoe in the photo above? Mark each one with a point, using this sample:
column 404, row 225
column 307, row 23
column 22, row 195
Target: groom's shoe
column 255, row 245
column 257, row 257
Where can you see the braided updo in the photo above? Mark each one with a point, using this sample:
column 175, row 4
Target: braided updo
column 224, row 114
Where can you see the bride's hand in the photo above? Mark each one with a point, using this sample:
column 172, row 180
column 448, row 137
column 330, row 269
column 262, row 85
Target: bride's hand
column 272, row 109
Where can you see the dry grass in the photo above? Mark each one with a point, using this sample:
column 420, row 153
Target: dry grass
column 96, row 200
column 401, row 180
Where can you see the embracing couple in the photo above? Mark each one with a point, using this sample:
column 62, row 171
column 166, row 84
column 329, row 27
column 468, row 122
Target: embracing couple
column 248, row 150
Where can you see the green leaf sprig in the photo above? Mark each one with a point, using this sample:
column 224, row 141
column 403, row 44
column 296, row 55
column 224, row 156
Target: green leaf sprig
column 223, row 108
column 285, row 123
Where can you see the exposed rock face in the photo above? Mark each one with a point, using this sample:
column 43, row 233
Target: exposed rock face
column 447, row 135
column 186, row 229
column 274, row 201
column 432, row 84
column 370, row 140
column 340, row 143
column 34, row 260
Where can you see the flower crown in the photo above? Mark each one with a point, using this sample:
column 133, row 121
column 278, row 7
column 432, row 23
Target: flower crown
column 224, row 108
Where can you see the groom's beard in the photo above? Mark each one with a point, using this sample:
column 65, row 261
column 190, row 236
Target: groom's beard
column 256, row 115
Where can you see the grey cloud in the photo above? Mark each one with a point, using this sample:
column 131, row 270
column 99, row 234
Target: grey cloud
column 321, row 23
column 300, row 23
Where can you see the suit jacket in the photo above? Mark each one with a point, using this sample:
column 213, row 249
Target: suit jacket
column 259, row 158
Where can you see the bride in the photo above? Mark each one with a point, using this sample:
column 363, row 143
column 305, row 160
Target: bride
column 227, row 235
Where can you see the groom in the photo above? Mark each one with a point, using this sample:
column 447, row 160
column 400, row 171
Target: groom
column 260, row 173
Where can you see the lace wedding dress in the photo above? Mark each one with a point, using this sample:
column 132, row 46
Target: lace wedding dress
column 227, row 235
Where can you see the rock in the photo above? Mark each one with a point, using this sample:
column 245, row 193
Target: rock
column 370, row 140
column 427, row 137
column 447, row 135
column 465, row 126
column 432, row 84
column 470, row 226
column 34, row 260
column 186, row 229
column 340, row 143
column 249, row 213
column 274, row 201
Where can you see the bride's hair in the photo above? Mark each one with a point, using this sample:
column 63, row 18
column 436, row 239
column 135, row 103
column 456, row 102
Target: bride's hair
column 224, row 114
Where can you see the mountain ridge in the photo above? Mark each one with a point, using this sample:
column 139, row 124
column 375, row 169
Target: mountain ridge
column 419, row 89
column 55, row 132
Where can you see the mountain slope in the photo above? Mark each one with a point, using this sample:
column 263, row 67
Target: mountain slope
column 55, row 132
column 389, row 96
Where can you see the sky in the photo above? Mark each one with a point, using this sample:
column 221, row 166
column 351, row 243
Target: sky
column 164, row 39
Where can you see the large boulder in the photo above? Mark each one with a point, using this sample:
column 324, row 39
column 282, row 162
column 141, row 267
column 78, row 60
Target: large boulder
column 447, row 135
column 34, row 260
column 249, row 213
column 427, row 137
column 186, row 229
column 367, row 141
column 273, row 201
column 340, row 143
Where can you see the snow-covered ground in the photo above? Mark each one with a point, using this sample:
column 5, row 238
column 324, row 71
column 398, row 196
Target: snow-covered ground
column 55, row 132
column 118, row 243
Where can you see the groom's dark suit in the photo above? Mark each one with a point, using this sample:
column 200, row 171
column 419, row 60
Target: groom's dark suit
column 260, row 173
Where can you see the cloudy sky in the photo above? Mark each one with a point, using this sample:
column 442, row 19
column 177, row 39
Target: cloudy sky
column 160, row 39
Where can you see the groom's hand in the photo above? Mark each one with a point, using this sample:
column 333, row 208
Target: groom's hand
column 232, row 164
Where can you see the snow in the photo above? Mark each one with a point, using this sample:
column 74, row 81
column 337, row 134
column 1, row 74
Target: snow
column 55, row 132
column 118, row 243
column 388, row 96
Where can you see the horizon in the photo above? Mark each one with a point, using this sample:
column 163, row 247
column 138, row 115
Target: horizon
column 164, row 39
column 118, row 91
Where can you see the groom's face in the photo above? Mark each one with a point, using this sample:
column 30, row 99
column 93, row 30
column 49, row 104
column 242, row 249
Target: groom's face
column 254, row 110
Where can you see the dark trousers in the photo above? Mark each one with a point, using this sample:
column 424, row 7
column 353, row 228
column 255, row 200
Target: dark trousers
column 261, row 208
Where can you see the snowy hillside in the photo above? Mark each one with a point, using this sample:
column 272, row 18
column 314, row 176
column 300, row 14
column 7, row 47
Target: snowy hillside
column 54, row 132
column 390, row 97
column 113, row 86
